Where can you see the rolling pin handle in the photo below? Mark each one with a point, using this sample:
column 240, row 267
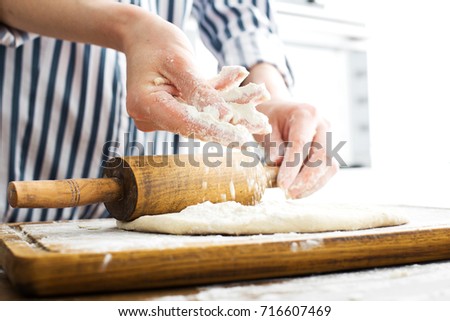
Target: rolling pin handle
column 64, row 193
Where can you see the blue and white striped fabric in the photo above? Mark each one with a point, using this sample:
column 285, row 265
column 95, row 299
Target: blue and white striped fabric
column 62, row 102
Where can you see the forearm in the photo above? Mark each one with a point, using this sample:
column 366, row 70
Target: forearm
column 271, row 77
column 100, row 22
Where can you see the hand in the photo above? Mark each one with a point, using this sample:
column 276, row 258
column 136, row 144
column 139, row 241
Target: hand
column 304, row 168
column 161, row 75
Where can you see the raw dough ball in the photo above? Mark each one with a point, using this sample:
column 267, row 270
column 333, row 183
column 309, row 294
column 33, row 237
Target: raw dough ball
column 231, row 218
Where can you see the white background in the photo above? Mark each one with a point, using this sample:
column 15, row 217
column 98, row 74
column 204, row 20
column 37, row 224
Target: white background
column 409, row 82
column 408, row 56
column 409, row 100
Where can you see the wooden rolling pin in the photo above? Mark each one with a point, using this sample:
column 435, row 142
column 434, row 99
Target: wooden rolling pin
column 143, row 185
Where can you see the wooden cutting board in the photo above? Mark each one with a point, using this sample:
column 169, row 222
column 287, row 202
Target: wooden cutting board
column 43, row 259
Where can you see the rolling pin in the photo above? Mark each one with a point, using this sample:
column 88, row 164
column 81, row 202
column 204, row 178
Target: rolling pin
column 144, row 185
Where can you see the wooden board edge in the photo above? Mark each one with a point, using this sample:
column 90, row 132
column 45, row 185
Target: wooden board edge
column 16, row 254
column 118, row 271
column 10, row 241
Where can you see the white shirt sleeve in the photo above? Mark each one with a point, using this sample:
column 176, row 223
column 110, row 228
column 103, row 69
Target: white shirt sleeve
column 241, row 33
column 11, row 37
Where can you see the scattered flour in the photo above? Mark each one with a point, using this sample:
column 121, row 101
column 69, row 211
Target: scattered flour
column 106, row 261
column 294, row 247
column 161, row 81
column 310, row 244
column 102, row 236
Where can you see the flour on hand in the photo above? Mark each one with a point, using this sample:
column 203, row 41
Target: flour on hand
column 242, row 101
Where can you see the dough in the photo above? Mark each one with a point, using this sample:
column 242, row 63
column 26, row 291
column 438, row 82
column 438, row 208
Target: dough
column 242, row 101
column 283, row 216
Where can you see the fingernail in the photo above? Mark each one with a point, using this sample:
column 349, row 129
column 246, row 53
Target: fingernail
column 297, row 191
column 288, row 195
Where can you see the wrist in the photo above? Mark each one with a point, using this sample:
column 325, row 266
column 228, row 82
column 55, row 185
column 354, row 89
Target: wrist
column 130, row 23
column 120, row 26
column 271, row 77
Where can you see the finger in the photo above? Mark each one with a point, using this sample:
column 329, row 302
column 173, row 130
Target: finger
column 194, row 90
column 306, row 191
column 250, row 93
column 229, row 77
column 317, row 169
column 206, row 129
column 301, row 132
column 187, row 121
column 273, row 150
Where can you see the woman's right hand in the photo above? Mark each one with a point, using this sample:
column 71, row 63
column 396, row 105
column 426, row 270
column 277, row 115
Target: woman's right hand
column 160, row 69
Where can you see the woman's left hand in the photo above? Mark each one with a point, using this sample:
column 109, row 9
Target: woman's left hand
column 298, row 145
